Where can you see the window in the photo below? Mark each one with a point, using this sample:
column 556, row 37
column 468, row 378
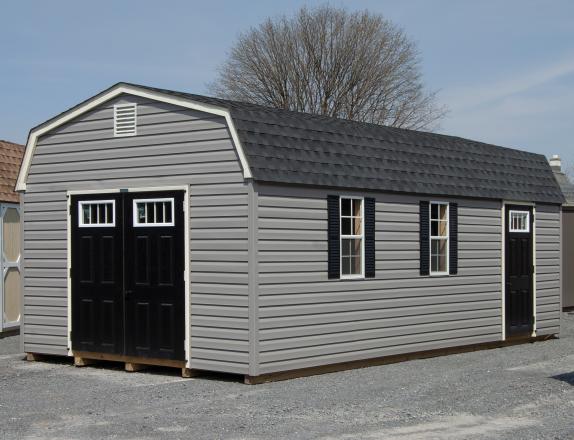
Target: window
column 352, row 247
column 519, row 221
column 97, row 213
column 125, row 119
column 439, row 239
column 153, row 212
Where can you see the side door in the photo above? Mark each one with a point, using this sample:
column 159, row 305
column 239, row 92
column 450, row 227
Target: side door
column 97, row 273
column 519, row 269
column 154, row 275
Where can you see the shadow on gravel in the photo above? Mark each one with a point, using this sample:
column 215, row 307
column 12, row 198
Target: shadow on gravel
column 566, row 377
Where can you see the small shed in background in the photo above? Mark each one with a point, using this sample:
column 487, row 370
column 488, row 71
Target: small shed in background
column 567, row 233
column 10, row 238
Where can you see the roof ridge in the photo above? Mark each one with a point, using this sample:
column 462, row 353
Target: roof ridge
column 327, row 118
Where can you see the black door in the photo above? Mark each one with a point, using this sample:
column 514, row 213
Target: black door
column 154, row 275
column 519, row 270
column 97, row 275
column 128, row 274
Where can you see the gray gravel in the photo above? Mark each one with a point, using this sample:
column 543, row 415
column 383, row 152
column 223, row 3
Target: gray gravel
column 519, row 392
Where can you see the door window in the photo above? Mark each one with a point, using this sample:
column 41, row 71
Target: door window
column 153, row 212
column 97, row 213
column 519, row 221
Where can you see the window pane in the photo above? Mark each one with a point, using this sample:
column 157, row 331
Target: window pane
column 442, row 260
column 86, row 214
column 357, row 208
column 443, row 211
column 160, row 207
column 150, row 212
column 168, row 212
column 93, row 214
column 442, row 230
column 346, row 247
column 434, row 228
column 356, row 265
column 101, row 213
column 357, row 228
column 346, row 226
column 434, row 263
column 346, row 265
column 434, row 211
column 346, row 207
column 141, row 212
column 356, row 246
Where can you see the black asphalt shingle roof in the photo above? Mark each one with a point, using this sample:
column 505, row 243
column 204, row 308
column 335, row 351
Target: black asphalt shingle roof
column 299, row 148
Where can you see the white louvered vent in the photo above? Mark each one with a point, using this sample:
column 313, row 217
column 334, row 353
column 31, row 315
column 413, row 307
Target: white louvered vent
column 125, row 119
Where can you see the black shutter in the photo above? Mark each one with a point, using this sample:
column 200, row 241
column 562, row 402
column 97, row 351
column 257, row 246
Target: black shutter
column 424, row 237
column 333, row 236
column 453, row 238
column 369, row 209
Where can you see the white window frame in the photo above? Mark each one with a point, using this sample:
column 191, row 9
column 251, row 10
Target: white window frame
column 440, row 237
column 122, row 107
column 344, row 236
column 82, row 203
column 136, row 222
column 518, row 211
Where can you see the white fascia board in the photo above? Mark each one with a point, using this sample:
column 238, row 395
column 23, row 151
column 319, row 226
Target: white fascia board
column 130, row 90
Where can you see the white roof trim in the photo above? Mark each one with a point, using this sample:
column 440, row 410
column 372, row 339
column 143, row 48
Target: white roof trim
column 136, row 91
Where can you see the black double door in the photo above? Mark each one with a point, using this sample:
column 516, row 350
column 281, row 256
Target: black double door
column 519, row 269
column 127, row 274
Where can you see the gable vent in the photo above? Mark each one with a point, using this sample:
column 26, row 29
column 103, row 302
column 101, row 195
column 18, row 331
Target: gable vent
column 125, row 119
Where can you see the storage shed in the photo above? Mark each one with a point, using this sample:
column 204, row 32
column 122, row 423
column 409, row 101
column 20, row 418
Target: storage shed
column 176, row 229
column 10, row 239
column 567, row 233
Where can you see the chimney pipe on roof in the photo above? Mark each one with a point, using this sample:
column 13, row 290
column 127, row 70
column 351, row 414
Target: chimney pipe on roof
column 555, row 163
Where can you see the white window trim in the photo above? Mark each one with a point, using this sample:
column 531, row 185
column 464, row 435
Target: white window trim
column 361, row 236
column 136, row 222
column 447, row 237
column 121, row 107
column 81, row 223
column 521, row 231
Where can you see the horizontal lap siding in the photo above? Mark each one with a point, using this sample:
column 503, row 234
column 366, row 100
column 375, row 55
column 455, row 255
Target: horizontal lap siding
column 174, row 146
column 547, row 270
column 308, row 320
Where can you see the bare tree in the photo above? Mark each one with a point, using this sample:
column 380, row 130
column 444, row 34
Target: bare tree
column 331, row 62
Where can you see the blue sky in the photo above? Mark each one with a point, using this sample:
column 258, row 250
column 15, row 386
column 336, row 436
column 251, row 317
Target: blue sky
column 504, row 68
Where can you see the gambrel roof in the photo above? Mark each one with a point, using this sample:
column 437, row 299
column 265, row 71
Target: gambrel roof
column 281, row 146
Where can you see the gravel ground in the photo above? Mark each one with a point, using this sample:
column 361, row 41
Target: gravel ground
column 519, row 392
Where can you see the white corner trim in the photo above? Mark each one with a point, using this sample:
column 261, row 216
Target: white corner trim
column 136, row 91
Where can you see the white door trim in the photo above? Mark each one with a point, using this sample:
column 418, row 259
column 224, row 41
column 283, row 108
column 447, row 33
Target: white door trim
column 187, row 293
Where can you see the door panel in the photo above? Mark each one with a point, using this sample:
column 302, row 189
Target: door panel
column 97, row 283
column 154, row 275
column 519, row 270
column 128, row 285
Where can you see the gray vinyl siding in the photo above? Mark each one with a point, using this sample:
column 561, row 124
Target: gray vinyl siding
column 307, row 320
column 548, row 271
column 174, row 146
